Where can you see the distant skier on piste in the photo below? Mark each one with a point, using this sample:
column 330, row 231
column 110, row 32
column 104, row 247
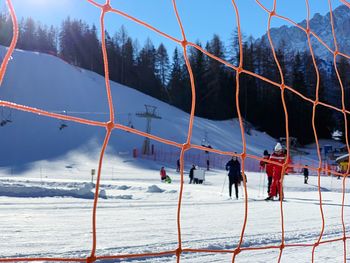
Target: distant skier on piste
column 234, row 175
column 192, row 173
column 162, row 174
column 306, row 174
column 279, row 157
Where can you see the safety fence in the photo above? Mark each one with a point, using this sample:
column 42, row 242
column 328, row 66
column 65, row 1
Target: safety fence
column 239, row 69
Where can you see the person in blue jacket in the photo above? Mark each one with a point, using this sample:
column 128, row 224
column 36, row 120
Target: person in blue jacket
column 234, row 174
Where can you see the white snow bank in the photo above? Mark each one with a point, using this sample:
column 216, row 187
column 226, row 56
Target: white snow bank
column 24, row 190
column 154, row 189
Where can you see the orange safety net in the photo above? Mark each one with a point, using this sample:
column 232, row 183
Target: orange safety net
column 111, row 125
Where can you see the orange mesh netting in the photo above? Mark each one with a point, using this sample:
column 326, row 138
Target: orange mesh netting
column 111, row 125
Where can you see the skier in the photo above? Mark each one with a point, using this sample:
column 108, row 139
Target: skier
column 162, row 174
column 234, row 175
column 263, row 163
column 178, row 165
column 306, row 174
column 192, row 172
column 268, row 169
column 279, row 157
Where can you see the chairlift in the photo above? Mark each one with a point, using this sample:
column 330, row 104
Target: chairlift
column 5, row 118
column 130, row 123
column 62, row 126
column 63, row 123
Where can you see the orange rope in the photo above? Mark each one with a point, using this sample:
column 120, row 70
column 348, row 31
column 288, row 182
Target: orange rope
column 243, row 154
column 13, row 41
column 111, row 125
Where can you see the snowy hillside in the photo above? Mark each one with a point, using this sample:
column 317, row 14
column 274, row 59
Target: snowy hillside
column 49, row 83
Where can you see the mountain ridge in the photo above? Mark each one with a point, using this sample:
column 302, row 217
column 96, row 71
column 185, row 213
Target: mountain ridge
column 292, row 39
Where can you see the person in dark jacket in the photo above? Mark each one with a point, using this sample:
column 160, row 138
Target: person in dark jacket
column 234, row 174
column 192, row 172
column 178, row 165
column 306, row 174
column 268, row 169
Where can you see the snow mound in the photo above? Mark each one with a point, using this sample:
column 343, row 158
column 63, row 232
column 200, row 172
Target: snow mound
column 103, row 194
column 154, row 189
column 24, row 190
column 85, row 189
column 123, row 187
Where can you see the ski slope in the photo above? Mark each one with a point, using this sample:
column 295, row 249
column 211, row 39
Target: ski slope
column 49, row 83
column 46, row 191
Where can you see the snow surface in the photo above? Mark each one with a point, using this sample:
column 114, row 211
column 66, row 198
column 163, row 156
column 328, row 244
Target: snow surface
column 46, row 184
column 139, row 215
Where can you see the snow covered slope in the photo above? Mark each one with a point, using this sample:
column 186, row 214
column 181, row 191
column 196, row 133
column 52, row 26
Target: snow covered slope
column 49, row 83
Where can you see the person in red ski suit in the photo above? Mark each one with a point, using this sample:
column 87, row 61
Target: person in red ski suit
column 279, row 157
column 162, row 173
column 268, row 169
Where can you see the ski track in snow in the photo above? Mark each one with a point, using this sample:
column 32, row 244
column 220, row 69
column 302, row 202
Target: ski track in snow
column 123, row 196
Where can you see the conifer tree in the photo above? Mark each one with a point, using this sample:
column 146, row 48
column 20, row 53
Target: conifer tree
column 179, row 86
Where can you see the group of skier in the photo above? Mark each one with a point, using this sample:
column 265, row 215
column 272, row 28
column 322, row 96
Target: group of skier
column 271, row 164
column 163, row 176
column 273, row 171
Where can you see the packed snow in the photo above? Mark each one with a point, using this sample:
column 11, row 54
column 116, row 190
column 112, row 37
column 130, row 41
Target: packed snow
column 51, row 216
column 47, row 186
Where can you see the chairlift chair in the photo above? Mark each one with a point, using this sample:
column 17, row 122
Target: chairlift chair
column 62, row 126
column 63, row 123
column 5, row 119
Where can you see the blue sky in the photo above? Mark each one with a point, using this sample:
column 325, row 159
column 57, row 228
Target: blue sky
column 201, row 18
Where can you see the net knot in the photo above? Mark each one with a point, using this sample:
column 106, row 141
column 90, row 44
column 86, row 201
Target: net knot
column 186, row 146
column 273, row 13
column 336, row 53
column 106, row 8
column 110, row 125
column 91, row 259
column 316, row 102
column 239, row 70
column 237, row 251
column 178, row 252
column 282, row 246
column 184, row 43
column 308, row 31
column 344, row 238
column 317, row 244
column 282, row 86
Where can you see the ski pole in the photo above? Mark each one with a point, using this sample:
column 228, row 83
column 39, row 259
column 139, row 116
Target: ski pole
column 264, row 184
column 222, row 190
column 242, row 190
column 260, row 185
